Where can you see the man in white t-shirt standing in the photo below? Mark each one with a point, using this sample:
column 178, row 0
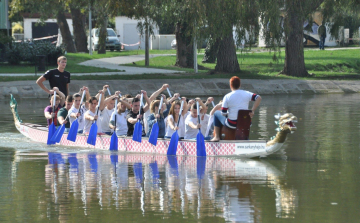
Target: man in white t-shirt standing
column 192, row 125
column 233, row 102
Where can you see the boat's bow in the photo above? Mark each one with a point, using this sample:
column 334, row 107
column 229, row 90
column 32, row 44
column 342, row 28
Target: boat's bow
column 13, row 107
column 286, row 125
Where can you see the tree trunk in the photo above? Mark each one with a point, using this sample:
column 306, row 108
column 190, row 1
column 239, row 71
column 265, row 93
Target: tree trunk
column 65, row 32
column 226, row 58
column 294, row 49
column 103, row 21
column 184, row 47
column 211, row 50
column 147, row 44
column 79, row 30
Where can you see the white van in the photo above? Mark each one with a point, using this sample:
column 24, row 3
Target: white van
column 112, row 40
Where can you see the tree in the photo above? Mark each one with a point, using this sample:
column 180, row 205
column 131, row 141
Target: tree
column 78, row 9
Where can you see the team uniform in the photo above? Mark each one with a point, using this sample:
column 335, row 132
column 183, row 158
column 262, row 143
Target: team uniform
column 104, row 119
column 121, row 123
column 233, row 102
column 58, row 79
column 81, row 118
column 191, row 133
column 88, row 123
column 50, row 109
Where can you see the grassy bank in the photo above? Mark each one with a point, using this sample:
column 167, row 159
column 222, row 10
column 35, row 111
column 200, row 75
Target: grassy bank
column 334, row 64
column 75, row 58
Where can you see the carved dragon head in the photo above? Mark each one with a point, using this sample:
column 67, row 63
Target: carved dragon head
column 285, row 125
column 286, row 122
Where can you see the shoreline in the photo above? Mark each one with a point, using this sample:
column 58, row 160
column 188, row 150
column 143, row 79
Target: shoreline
column 189, row 87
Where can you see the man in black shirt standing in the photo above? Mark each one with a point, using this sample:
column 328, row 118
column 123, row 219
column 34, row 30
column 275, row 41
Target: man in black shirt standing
column 57, row 78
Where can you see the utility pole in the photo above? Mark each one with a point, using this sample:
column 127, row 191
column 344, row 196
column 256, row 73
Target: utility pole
column 90, row 28
column 7, row 16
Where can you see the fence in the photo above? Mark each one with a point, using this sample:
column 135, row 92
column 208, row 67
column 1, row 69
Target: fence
column 162, row 42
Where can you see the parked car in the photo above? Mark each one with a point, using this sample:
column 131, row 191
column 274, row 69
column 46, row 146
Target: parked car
column 112, row 40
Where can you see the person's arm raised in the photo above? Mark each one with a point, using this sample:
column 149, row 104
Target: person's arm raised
column 156, row 93
column 148, row 102
column 61, row 95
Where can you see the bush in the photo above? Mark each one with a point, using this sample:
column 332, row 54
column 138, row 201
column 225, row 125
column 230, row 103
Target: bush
column 27, row 52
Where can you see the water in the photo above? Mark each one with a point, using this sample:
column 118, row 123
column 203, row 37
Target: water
column 315, row 178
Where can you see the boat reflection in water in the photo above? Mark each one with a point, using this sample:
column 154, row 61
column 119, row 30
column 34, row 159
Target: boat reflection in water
column 193, row 186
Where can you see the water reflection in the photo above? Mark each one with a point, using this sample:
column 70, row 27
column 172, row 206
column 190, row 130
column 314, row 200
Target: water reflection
column 196, row 187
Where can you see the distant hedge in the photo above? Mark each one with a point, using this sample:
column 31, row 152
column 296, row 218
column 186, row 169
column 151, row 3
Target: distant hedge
column 27, row 51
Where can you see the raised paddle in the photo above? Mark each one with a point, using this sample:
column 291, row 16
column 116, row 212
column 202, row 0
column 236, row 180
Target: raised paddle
column 93, row 130
column 114, row 138
column 138, row 126
column 75, row 125
column 52, row 128
column 200, row 142
column 169, row 92
column 175, row 137
column 155, row 129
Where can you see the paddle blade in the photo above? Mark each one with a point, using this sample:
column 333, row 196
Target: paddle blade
column 200, row 144
column 92, row 134
column 73, row 131
column 58, row 134
column 114, row 142
column 137, row 132
column 53, row 137
column 154, row 134
column 52, row 130
column 173, row 144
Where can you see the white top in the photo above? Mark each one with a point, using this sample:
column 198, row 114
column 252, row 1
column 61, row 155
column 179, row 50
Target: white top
column 146, row 115
column 88, row 123
column 81, row 119
column 104, row 119
column 190, row 133
column 121, row 123
column 235, row 101
column 204, row 122
column 169, row 132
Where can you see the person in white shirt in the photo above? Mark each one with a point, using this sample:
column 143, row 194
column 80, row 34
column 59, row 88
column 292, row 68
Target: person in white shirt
column 77, row 111
column 119, row 116
column 105, row 115
column 173, row 119
column 192, row 125
column 233, row 102
column 92, row 114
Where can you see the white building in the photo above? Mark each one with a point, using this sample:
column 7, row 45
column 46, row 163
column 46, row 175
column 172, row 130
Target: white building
column 34, row 29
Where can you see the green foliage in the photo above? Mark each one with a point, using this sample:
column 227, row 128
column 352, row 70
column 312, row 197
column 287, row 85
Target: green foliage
column 4, row 39
column 26, row 52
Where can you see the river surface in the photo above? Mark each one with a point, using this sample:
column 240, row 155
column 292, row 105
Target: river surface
column 314, row 178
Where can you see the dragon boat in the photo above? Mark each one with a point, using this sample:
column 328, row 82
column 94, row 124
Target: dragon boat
column 235, row 144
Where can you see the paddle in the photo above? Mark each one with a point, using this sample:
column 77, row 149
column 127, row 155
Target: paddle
column 169, row 92
column 93, row 130
column 52, row 128
column 175, row 137
column 138, row 127
column 59, row 133
column 200, row 142
column 155, row 129
column 114, row 138
column 75, row 125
